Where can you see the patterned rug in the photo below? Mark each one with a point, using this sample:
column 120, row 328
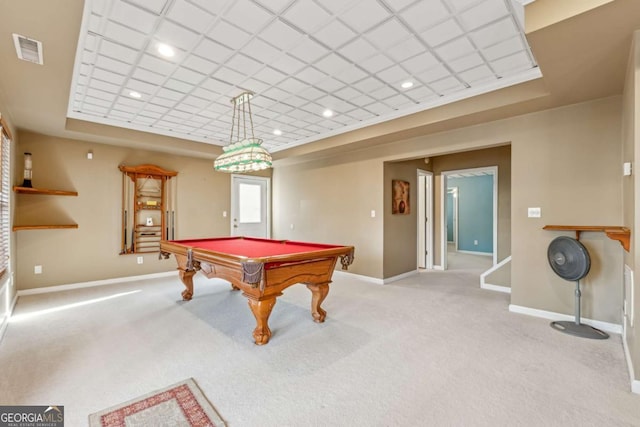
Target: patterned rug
column 181, row 404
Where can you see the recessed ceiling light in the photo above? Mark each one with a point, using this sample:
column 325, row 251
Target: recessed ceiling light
column 407, row 84
column 165, row 50
column 327, row 113
column 135, row 94
column 277, row 132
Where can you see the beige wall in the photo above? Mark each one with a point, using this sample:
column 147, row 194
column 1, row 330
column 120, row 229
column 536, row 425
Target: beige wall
column 631, row 212
column 91, row 252
column 565, row 161
column 331, row 202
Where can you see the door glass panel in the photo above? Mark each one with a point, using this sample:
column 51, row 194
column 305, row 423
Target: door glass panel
column 249, row 200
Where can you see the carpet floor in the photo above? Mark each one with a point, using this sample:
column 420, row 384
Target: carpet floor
column 432, row 350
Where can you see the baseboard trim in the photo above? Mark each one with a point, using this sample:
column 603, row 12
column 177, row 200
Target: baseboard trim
column 400, row 277
column 93, row 283
column 605, row 326
column 475, row 253
column 635, row 384
column 438, row 267
column 359, row 276
column 5, row 319
column 496, row 288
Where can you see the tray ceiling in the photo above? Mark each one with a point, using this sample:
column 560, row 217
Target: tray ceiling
column 299, row 57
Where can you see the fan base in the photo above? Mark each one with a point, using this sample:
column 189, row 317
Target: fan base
column 579, row 330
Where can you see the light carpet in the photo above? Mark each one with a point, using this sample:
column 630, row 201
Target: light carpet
column 180, row 405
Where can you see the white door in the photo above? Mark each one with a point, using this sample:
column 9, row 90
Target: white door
column 250, row 206
column 425, row 213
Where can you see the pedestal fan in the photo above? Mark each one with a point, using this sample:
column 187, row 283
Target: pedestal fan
column 570, row 260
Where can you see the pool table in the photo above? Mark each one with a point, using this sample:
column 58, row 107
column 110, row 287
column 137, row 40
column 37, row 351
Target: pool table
column 261, row 269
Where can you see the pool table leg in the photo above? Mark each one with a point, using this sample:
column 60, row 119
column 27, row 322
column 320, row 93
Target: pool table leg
column 186, row 276
column 319, row 292
column 261, row 310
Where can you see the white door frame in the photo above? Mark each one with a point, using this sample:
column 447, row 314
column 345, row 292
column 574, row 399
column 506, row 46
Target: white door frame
column 454, row 192
column 266, row 203
column 493, row 170
column 425, row 219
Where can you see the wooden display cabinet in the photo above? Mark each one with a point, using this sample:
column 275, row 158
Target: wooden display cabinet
column 147, row 213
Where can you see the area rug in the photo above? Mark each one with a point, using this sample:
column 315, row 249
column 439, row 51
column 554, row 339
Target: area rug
column 181, row 404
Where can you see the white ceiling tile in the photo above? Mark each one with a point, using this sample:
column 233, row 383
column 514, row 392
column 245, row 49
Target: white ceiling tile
column 361, row 114
column 350, row 75
column 424, row 14
column 113, row 65
column 368, row 85
column 334, row 34
column 216, row 86
column 105, row 86
column 406, row 49
column 295, row 101
column 392, row 75
column 466, row 62
column 125, row 36
column 388, row 34
column 376, row 63
column 307, row 15
column 378, row 108
column 176, row 35
column 271, row 76
column 358, row 50
column 347, row 93
column 507, row 47
column 108, row 76
column 311, row 75
column 312, row 93
column 364, row 15
column 485, row 12
column 243, row 64
column 512, row 63
column 188, row 76
column 199, row 64
column 155, row 6
column 336, row 7
column 229, row 76
column 446, row 84
column 255, row 86
column 213, row 51
column 119, row 52
column 133, row 17
column 276, row 93
column 397, row 101
column 463, row 4
column 362, row 100
column 455, row 49
column 169, row 94
column 434, row 73
column 142, row 75
column 420, row 93
column 287, row 64
column 183, row 11
column 275, row 6
column 281, row 35
column 261, row 50
column 478, row 74
column 214, row 7
column 329, row 84
column 332, row 64
column 178, row 86
column 246, row 14
column 100, row 7
column 157, row 65
column 420, row 62
column 308, row 50
column 98, row 94
column 398, row 5
column 442, row 33
column 292, row 85
column 497, row 32
column 229, row 35
column 383, row 92
column 196, row 102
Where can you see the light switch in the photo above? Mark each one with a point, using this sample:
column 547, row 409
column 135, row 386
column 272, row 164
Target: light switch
column 373, row 214
column 534, row 213
column 626, row 168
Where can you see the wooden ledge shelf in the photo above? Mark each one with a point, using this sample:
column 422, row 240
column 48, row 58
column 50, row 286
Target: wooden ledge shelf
column 43, row 227
column 614, row 232
column 29, row 190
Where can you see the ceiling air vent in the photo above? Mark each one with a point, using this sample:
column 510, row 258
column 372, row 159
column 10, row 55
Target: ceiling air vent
column 28, row 49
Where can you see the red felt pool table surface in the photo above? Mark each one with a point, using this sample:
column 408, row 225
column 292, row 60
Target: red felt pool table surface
column 251, row 247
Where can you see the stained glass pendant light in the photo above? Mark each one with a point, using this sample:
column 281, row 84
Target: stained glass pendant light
column 246, row 154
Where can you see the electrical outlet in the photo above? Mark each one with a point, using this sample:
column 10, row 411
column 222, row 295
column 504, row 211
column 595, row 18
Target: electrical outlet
column 292, row 226
column 37, row 269
column 534, row 212
column 140, row 260
column 373, row 214
column 475, row 242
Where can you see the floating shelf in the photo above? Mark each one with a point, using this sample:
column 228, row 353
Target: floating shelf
column 42, row 227
column 29, row 190
column 614, row 232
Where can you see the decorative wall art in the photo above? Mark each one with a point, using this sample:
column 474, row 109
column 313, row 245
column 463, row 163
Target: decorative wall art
column 400, row 203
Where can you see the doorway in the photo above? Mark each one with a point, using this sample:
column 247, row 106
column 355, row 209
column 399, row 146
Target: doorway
column 250, row 206
column 478, row 237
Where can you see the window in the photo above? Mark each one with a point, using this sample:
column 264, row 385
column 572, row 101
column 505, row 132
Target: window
column 5, row 197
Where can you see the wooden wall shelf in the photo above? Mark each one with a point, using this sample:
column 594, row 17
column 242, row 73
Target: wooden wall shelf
column 614, row 232
column 29, row 190
column 42, row 227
